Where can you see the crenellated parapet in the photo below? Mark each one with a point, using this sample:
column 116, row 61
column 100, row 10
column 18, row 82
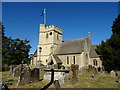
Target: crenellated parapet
column 50, row 27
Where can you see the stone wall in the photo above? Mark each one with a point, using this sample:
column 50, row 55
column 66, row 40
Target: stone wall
column 79, row 59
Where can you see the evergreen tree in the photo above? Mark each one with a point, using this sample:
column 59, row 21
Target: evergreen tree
column 14, row 51
column 109, row 51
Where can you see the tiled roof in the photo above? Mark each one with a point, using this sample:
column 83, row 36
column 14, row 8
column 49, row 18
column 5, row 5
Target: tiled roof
column 57, row 59
column 93, row 53
column 71, row 46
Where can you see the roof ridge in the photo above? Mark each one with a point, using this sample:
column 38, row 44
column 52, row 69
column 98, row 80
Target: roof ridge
column 74, row 39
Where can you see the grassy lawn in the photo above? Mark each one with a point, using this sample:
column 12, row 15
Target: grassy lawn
column 84, row 81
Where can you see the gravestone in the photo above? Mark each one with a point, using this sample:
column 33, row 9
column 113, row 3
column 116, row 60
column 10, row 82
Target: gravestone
column 11, row 68
column 91, row 69
column 57, row 84
column 66, row 77
column 83, row 69
column 112, row 73
column 118, row 81
column 18, row 70
column 35, row 75
column 95, row 75
column 102, row 69
column 74, row 69
column 103, row 74
column 25, row 77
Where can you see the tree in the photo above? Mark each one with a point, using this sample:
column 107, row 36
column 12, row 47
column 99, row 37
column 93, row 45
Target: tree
column 14, row 51
column 109, row 51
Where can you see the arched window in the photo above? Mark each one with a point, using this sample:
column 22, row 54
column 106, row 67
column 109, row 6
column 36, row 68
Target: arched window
column 95, row 62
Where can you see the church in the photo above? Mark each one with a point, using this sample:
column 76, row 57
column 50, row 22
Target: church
column 52, row 50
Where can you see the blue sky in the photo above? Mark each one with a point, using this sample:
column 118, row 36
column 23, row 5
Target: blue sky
column 22, row 19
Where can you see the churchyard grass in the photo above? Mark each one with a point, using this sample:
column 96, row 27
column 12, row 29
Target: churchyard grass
column 84, row 81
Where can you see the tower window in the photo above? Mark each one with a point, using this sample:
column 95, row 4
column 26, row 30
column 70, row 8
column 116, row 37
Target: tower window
column 57, row 36
column 46, row 35
column 50, row 33
column 74, row 60
column 67, row 60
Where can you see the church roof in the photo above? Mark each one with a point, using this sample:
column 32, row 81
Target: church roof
column 35, row 54
column 57, row 59
column 93, row 53
column 71, row 47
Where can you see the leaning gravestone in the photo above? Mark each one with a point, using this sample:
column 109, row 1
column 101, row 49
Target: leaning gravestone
column 25, row 77
column 74, row 69
column 35, row 75
column 112, row 73
column 18, row 70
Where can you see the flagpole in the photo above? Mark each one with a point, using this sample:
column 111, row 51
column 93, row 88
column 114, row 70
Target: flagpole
column 45, row 17
column 119, row 8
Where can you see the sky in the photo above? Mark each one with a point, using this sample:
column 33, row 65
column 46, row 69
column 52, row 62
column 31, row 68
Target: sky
column 22, row 19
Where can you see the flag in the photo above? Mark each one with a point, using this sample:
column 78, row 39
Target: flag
column 43, row 13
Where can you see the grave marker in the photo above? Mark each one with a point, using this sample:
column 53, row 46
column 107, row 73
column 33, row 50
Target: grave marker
column 35, row 75
column 25, row 77
column 112, row 73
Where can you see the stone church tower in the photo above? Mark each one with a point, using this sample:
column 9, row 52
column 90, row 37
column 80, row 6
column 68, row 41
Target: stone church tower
column 49, row 38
